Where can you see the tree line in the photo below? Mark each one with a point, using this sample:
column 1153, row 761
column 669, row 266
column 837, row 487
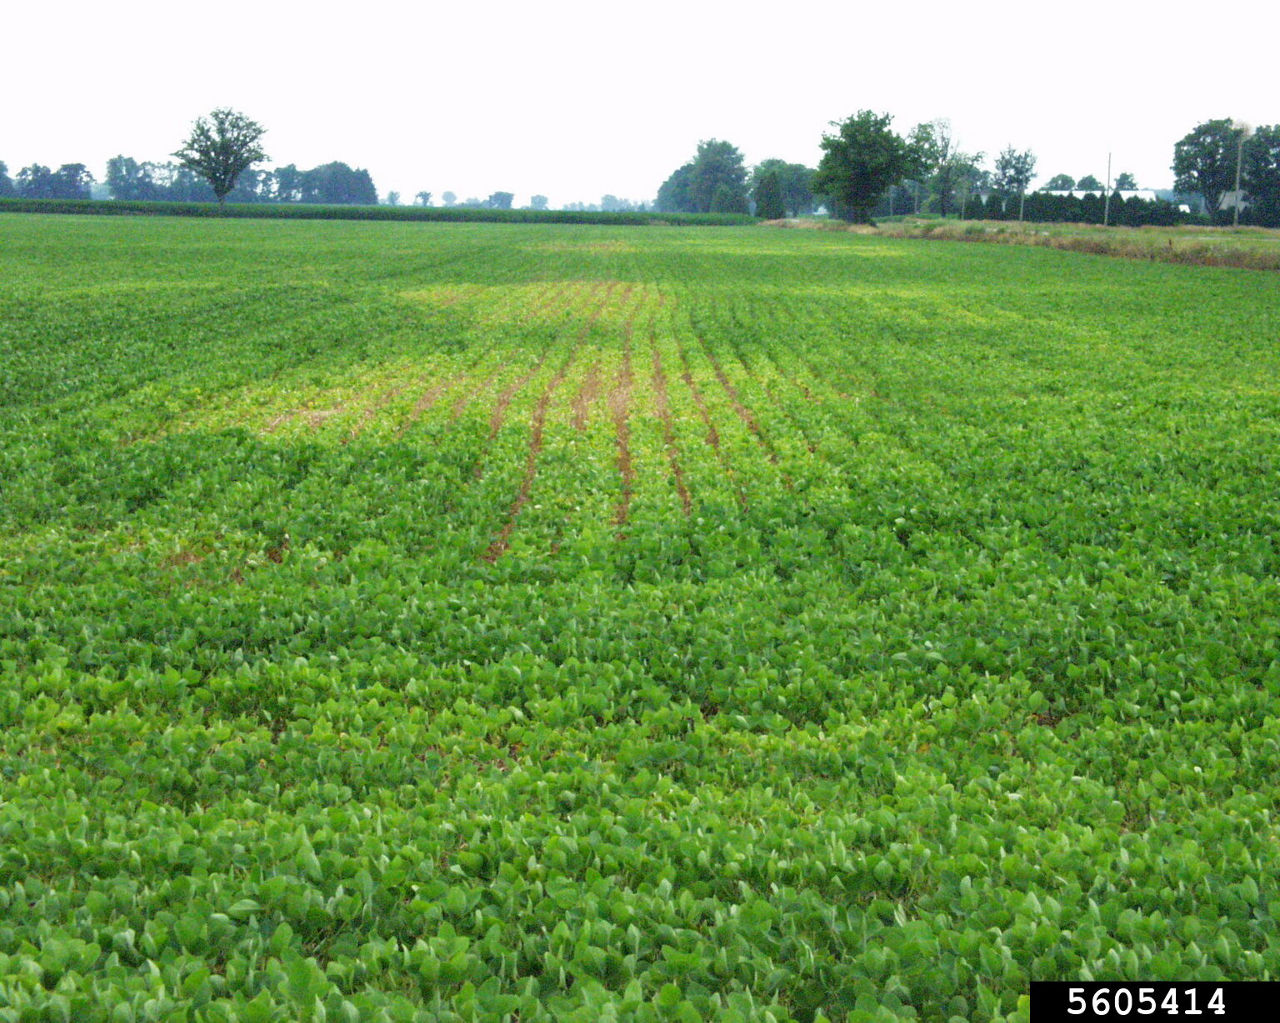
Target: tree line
column 868, row 170
column 129, row 180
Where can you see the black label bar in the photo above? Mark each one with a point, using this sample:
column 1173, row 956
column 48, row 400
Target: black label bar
column 1192, row 1001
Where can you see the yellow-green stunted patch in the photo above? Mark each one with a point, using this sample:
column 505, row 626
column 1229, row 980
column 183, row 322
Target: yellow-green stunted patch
column 588, row 246
column 552, row 302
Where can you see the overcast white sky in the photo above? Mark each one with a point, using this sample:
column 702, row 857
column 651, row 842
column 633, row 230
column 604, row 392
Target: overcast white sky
column 576, row 98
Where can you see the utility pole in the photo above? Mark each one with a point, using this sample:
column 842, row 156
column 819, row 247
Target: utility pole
column 1106, row 203
column 1243, row 130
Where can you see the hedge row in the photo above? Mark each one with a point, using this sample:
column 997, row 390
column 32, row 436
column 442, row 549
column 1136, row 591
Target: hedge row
column 301, row 211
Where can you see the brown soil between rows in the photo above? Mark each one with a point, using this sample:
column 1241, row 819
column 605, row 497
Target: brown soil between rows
column 503, row 540
column 586, row 397
column 659, row 378
column 620, row 407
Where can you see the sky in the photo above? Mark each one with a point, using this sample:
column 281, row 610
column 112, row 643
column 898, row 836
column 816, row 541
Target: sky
column 574, row 99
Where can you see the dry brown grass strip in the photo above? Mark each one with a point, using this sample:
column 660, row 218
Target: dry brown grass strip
column 1232, row 248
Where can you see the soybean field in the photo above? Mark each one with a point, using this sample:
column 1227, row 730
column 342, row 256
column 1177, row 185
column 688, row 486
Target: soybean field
column 531, row 622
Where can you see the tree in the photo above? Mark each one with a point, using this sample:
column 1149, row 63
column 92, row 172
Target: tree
column 35, row 181
column 1204, row 161
column 940, row 166
column 448, row 198
column 338, row 184
column 422, row 199
column 289, row 183
column 768, row 196
column 1126, row 182
column 796, row 181
column 1261, row 175
column 499, row 200
column 7, row 191
column 675, row 194
column 176, row 183
column 1089, row 183
column 538, row 202
column 221, row 147
column 1013, row 174
column 714, row 180
column 929, row 147
column 859, row 161
column 71, row 181
column 1060, row 183
column 729, row 199
column 718, row 182
column 128, row 180
column 253, row 186
column 393, row 199
column 974, row 181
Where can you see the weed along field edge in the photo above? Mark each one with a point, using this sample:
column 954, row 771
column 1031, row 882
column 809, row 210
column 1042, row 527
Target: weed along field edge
column 428, row 621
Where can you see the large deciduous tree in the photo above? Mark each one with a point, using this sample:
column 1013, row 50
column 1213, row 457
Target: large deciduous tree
column 221, row 147
column 1204, row 161
column 7, row 191
column 860, row 160
column 714, row 181
column 1060, row 183
column 718, row 183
